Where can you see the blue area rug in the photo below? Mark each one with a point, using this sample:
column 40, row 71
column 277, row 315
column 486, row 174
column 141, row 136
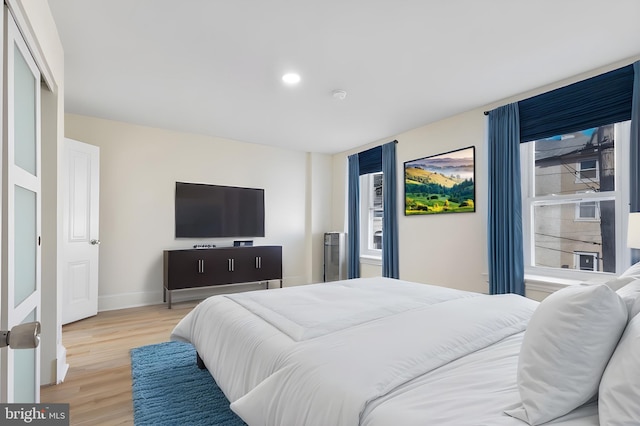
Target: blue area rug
column 170, row 389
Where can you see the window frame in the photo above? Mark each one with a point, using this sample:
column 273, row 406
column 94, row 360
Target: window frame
column 367, row 210
column 620, row 195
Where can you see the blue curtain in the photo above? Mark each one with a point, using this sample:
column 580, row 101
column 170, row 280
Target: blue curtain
column 506, row 264
column 635, row 149
column 390, row 219
column 353, row 213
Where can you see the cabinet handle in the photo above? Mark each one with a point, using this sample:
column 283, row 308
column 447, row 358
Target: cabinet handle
column 202, row 268
column 229, row 265
column 233, row 265
column 257, row 266
column 260, row 262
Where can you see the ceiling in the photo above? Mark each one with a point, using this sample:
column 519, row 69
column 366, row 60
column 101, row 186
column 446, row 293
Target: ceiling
column 214, row 67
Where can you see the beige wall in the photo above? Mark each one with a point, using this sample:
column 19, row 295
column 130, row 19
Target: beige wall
column 139, row 168
column 320, row 180
column 447, row 249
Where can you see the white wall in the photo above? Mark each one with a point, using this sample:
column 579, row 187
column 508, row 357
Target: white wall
column 139, row 168
column 320, row 186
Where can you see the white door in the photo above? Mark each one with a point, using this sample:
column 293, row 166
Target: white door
column 81, row 180
column 20, row 369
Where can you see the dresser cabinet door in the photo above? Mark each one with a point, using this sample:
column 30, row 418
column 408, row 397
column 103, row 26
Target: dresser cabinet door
column 186, row 269
column 267, row 263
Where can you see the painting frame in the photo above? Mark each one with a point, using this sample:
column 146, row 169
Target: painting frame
column 441, row 183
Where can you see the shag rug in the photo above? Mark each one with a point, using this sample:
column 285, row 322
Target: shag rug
column 170, row 389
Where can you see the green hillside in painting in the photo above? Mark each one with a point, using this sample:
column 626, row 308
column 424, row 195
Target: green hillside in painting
column 429, row 192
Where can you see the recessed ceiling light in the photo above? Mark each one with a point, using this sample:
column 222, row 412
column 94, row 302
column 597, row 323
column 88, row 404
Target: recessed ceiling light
column 291, row 78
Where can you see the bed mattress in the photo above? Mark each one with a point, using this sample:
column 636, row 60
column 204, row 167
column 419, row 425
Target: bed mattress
column 373, row 351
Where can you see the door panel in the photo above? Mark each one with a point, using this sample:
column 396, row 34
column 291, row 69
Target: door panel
column 25, row 228
column 26, row 367
column 80, row 215
column 19, row 369
column 25, row 87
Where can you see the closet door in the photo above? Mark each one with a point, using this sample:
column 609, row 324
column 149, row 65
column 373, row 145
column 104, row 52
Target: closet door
column 21, row 302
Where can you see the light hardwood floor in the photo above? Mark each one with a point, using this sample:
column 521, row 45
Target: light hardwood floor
column 98, row 383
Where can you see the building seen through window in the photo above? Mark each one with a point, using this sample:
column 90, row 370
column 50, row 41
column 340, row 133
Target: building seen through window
column 371, row 214
column 376, row 213
column 569, row 198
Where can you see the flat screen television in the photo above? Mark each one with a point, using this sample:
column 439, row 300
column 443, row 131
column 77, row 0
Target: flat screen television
column 213, row 211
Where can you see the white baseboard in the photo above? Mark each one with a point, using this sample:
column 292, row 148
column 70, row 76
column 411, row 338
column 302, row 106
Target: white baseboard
column 62, row 367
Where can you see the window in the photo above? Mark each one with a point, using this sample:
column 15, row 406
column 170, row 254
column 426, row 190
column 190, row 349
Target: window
column 371, row 212
column 586, row 261
column 587, row 170
column 587, row 210
column 572, row 200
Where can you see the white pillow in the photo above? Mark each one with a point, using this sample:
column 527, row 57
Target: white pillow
column 633, row 271
column 630, row 293
column 617, row 283
column 565, row 350
column 619, row 398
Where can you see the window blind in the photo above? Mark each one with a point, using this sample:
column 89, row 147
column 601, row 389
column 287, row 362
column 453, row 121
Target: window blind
column 600, row 100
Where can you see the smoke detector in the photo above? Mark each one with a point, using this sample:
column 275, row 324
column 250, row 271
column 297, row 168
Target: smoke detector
column 339, row 94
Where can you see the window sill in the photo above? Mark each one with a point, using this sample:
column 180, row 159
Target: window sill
column 550, row 284
column 371, row 260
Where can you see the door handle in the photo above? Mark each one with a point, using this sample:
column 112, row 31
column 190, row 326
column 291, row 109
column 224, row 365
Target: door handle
column 95, row 242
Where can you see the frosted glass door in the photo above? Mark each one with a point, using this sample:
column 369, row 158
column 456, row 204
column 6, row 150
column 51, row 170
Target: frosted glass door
column 25, row 248
column 20, row 369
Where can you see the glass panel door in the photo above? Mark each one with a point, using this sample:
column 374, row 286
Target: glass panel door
column 24, row 104
column 25, row 368
column 20, row 369
column 25, row 249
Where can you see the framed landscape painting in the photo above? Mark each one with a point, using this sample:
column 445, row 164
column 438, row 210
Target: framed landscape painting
column 442, row 183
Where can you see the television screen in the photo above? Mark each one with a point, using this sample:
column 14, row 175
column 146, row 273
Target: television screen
column 218, row 211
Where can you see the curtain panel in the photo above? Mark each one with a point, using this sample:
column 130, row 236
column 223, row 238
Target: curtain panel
column 634, row 167
column 506, row 259
column 390, row 267
column 353, row 217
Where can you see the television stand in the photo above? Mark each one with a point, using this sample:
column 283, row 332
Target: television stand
column 220, row 266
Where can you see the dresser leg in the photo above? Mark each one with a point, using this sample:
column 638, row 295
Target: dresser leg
column 169, row 298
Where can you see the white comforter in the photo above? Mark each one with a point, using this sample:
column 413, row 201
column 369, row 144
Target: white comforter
column 355, row 352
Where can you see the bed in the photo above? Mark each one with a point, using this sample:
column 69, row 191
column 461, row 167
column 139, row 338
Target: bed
column 380, row 351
